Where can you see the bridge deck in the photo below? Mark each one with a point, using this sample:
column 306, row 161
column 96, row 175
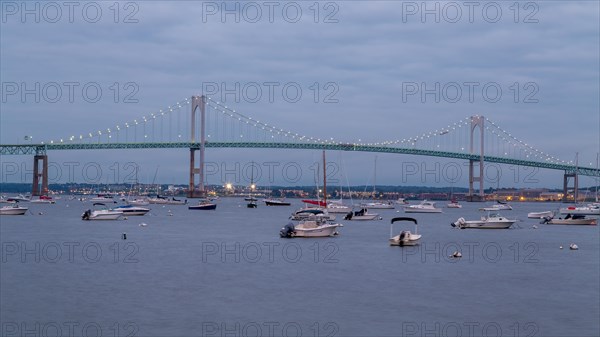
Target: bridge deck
column 33, row 149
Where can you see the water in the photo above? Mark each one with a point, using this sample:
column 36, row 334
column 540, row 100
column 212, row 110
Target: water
column 227, row 273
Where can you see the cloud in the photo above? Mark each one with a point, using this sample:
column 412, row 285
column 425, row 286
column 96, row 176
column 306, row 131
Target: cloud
column 374, row 49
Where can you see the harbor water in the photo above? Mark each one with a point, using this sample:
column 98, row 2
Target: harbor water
column 228, row 273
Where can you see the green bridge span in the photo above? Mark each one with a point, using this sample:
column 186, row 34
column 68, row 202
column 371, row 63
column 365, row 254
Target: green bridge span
column 33, row 149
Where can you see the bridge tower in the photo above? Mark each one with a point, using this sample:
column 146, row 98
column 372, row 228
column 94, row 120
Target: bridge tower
column 476, row 121
column 40, row 170
column 566, row 177
column 198, row 104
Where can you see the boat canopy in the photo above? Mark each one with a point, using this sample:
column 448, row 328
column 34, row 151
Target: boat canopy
column 404, row 219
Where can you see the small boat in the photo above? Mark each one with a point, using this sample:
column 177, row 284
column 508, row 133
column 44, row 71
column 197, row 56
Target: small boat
column 166, row 201
column 453, row 204
column 252, row 204
column 378, row 205
column 276, row 202
column 361, row 215
column 571, row 219
column 139, row 202
column 424, row 207
column 500, row 206
column 250, row 199
column 103, row 198
column 132, row 210
column 316, row 225
column 18, row 198
column 101, row 214
column 42, row 201
column 337, row 207
column 581, row 210
column 308, row 212
column 491, row 221
column 13, row 210
column 405, row 238
column 401, row 201
column 540, row 215
column 203, row 205
column 312, row 228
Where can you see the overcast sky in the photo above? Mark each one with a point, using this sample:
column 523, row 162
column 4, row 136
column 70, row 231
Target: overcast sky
column 364, row 56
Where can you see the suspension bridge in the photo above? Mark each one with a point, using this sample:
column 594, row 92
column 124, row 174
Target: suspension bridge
column 214, row 125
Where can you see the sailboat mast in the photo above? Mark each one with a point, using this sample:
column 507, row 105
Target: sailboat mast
column 324, row 180
column 375, row 179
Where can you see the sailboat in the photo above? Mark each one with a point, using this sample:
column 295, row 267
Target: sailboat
column 377, row 204
column 316, row 226
column 252, row 200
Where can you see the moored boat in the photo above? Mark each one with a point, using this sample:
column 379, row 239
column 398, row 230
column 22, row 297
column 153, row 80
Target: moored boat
column 581, row 210
column 405, row 238
column 571, row 219
column 101, row 214
column 424, row 207
column 540, row 215
column 490, row 221
column 276, row 202
column 13, row 210
column 132, row 210
column 203, row 205
column 361, row 215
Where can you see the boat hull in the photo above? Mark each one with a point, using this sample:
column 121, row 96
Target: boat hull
column 580, row 222
column 276, row 203
column 13, row 210
column 421, row 210
column 377, row 206
column 316, row 232
column 580, row 210
column 488, row 225
column 104, row 215
column 365, row 217
column 206, row 207
column 540, row 215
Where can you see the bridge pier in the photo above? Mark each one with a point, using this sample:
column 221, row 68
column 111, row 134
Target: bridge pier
column 476, row 121
column 40, row 172
column 566, row 186
column 198, row 103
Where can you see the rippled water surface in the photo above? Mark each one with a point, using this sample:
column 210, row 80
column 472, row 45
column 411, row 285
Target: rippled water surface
column 227, row 273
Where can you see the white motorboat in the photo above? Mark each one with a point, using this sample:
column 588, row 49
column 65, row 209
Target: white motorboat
column 453, row 204
column 308, row 212
column 540, row 215
column 405, row 238
column 401, row 201
column 139, row 202
column 101, row 198
column 13, row 210
column 166, row 201
column 18, row 198
column 581, row 210
column 571, row 219
column 101, row 214
column 276, row 202
column 378, row 205
column 337, row 207
column 424, row 207
column 312, row 228
column 491, row 221
column 132, row 210
column 3, row 199
column 500, row 206
column 361, row 215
